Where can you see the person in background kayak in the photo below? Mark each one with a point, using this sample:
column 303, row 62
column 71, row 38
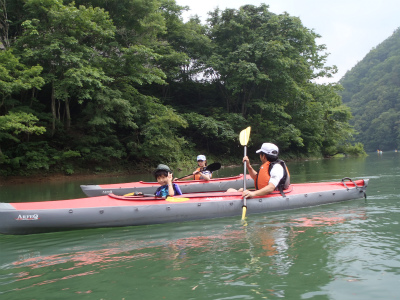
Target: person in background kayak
column 163, row 175
column 273, row 174
column 200, row 173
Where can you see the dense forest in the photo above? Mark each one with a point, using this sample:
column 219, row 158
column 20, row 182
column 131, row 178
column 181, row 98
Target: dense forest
column 95, row 85
column 372, row 91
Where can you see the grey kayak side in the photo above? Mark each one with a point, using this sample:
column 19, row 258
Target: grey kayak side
column 93, row 190
column 14, row 221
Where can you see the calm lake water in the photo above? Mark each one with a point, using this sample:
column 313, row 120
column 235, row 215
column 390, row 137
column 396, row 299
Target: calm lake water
column 340, row 251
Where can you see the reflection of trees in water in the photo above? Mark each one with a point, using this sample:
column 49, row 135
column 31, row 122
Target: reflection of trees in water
column 292, row 256
column 273, row 258
column 277, row 255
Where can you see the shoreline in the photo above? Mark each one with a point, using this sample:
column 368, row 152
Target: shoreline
column 16, row 180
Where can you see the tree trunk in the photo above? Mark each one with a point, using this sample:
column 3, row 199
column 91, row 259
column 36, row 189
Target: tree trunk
column 58, row 110
column 68, row 113
column 244, row 100
column 53, row 110
column 225, row 95
column 4, row 26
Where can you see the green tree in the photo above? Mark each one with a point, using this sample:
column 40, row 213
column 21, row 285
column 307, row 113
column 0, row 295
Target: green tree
column 264, row 65
column 14, row 124
column 371, row 90
column 15, row 78
column 130, row 83
column 258, row 55
column 68, row 43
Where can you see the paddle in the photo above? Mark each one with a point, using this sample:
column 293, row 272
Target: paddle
column 212, row 167
column 244, row 139
column 139, row 194
column 129, row 197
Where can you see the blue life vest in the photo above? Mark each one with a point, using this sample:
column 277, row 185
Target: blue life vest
column 163, row 191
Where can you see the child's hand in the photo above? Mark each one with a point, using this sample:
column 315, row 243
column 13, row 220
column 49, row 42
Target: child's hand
column 169, row 178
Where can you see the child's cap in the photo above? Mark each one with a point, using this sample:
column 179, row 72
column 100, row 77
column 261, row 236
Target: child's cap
column 163, row 167
column 201, row 157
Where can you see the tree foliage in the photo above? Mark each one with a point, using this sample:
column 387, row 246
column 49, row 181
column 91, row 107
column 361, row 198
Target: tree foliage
column 372, row 91
column 264, row 64
column 130, row 83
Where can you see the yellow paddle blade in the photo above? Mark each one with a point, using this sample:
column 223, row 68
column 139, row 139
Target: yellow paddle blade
column 172, row 199
column 244, row 212
column 130, row 194
column 245, row 136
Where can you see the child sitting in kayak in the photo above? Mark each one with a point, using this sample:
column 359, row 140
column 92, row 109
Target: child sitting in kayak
column 201, row 173
column 163, row 175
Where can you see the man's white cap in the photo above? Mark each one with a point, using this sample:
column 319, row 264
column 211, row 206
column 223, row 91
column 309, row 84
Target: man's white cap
column 269, row 148
column 201, row 157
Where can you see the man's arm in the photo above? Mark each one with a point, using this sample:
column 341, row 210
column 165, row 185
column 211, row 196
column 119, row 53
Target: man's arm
column 252, row 172
column 264, row 191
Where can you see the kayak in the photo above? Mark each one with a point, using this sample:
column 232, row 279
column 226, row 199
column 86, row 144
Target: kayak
column 190, row 186
column 117, row 211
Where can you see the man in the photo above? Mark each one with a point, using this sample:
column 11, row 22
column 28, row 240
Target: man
column 273, row 174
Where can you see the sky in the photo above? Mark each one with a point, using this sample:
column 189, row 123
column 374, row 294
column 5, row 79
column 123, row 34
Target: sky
column 349, row 28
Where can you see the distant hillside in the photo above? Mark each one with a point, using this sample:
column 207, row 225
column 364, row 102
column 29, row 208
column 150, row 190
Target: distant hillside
column 372, row 91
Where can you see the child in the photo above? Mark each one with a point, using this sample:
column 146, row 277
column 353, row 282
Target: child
column 200, row 173
column 163, row 175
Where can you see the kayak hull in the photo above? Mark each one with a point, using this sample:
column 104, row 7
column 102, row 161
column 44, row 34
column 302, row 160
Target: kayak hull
column 117, row 211
column 189, row 186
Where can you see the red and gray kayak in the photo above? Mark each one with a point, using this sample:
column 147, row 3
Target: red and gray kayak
column 190, row 186
column 117, row 211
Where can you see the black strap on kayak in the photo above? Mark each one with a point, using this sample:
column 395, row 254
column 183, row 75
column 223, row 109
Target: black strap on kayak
column 139, row 196
column 344, row 183
column 280, row 189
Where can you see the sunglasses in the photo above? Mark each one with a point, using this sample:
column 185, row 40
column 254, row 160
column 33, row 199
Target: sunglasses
column 200, row 160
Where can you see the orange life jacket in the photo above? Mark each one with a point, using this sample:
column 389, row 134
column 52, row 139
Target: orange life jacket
column 198, row 175
column 264, row 175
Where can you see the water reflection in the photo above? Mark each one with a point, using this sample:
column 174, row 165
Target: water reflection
column 206, row 253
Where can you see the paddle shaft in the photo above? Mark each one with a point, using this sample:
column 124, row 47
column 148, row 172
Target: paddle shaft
column 244, row 176
column 213, row 167
column 185, row 176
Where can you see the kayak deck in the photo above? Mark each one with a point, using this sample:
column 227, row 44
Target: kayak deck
column 110, row 200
